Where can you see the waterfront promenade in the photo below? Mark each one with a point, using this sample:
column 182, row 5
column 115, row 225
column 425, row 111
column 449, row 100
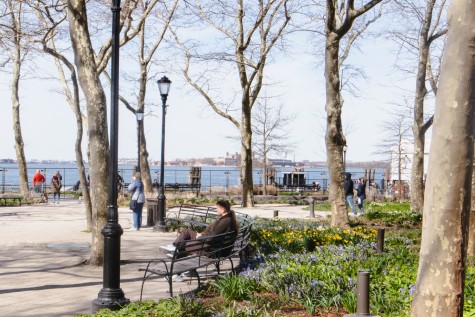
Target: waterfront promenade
column 43, row 248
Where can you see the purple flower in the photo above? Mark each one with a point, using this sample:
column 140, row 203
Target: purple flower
column 351, row 282
column 412, row 289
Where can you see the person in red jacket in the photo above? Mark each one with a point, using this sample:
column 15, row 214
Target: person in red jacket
column 38, row 180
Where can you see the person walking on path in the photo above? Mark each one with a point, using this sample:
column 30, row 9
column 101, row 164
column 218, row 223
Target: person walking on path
column 361, row 194
column 137, row 188
column 349, row 188
column 38, row 180
column 56, row 186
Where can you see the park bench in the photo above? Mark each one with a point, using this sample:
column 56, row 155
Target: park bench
column 195, row 217
column 191, row 255
column 5, row 198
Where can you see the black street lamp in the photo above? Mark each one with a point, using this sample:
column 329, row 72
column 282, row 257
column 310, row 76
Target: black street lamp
column 227, row 173
column 111, row 295
column 164, row 87
column 3, row 170
column 344, row 158
column 139, row 116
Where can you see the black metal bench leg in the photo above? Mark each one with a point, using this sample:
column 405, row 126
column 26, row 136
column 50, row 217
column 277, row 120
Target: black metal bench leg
column 198, row 276
column 143, row 282
column 170, row 284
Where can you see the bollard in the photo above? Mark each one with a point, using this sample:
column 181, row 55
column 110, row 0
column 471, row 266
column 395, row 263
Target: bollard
column 362, row 289
column 311, row 201
column 276, row 213
column 380, row 241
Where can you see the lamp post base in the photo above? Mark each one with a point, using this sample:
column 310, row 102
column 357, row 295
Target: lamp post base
column 109, row 298
column 160, row 222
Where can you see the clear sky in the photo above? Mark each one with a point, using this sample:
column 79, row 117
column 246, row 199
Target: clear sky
column 194, row 130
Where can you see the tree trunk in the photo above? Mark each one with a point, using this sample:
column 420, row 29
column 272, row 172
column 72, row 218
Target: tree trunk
column 81, row 168
column 334, row 138
column 97, row 122
column 441, row 273
column 20, row 154
column 471, row 231
column 417, row 172
column 74, row 103
column 246, row 158
column 145, row 168
column 418, row 127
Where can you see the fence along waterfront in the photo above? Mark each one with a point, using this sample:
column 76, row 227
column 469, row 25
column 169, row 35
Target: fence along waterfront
column 213, row 178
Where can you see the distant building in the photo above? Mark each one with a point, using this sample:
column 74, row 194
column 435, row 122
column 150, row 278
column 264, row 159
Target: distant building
column 405, row 152
column 232, row 159
column 281, row 162
column 220, row 160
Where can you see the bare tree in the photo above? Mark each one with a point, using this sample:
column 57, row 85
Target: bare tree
column 250, row 32
column 52, row 17
column 339, row 20
column 15, row 36
column 270, row 131
column 441, row 274
column 149, row 40
column 422, row 31
column 396, row 144
column 89, row 66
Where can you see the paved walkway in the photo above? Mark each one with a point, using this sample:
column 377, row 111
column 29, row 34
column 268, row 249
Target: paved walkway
column 43, row 248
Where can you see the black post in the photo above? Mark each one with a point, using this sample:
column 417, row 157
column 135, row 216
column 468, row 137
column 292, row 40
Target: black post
column 380, row 241
column 111, row 295
column 362, row 305
column 311, row 202
column 362, row 301
column 227, row 182
column 139, row 115
column 138, row 146
column 164, row 86
column 344, row 159
column 3, row 180
column 160, row 224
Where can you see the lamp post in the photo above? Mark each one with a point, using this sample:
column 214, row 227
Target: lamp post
column 164, row 87
column 139, row 116
column 111, row 295
column 3, row 170
column 344, row 158
column 227, row 173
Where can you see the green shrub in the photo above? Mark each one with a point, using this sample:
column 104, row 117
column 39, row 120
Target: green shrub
column 234, row 287
column 392, row 213
column 271, row 235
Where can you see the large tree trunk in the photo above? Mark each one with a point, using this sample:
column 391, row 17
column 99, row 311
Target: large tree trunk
column 471, row 231
column 97, row 122
column 20, row 154
column 441, row 273
column 246, row 158
column 334, row 138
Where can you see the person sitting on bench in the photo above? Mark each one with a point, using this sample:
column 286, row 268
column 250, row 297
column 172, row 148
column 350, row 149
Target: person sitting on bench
column 226, row 222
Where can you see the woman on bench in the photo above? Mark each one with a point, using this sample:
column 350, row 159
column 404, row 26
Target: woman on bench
column 226, row 222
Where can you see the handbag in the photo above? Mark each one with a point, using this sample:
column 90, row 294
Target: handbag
column 133, row 204
column 358, row 200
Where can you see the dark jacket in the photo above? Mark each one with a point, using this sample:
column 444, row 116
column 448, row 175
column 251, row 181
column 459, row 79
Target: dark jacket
column 361, row 191
column 348, row 185
column 220, row 225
